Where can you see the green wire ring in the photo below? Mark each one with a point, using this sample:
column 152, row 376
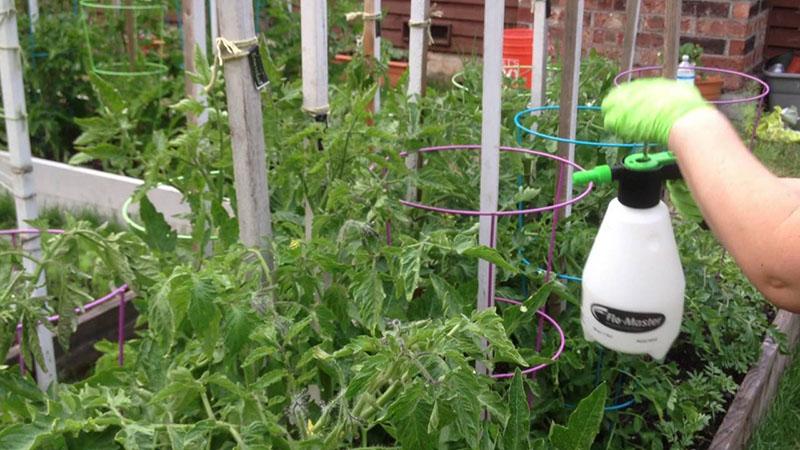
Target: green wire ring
column 104, row 69
column 156, row 69
column 90, row 4
column 139, row 227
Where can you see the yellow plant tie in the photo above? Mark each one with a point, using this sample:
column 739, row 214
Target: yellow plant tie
column 228, row 50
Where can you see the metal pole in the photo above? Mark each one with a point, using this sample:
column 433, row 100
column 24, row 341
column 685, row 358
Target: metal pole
column 21, row 165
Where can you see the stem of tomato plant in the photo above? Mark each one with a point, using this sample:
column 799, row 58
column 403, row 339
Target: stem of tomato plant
column 207, row 406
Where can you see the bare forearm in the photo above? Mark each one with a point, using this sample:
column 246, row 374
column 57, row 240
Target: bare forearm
column 755, row 214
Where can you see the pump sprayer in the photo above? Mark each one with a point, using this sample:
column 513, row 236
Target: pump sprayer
column 633, row 282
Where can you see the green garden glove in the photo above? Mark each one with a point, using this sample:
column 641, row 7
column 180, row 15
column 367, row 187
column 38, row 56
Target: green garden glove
column 645, row 110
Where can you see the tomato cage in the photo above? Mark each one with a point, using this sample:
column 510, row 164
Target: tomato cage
column 119, row 293
column 522, row 122
column 124, row 39
column 555, row 207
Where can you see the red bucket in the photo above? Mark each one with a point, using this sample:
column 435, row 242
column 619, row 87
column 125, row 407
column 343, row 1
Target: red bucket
column 518, row 53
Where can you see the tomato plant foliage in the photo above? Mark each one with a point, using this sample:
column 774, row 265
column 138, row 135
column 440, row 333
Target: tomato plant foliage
column 363, row 332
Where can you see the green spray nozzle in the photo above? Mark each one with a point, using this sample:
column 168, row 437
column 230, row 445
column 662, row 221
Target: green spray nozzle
column 598, row 175
column 637, row 162
column 641, row 177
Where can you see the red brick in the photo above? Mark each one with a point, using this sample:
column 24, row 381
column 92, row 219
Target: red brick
column 688, row 25
column 741, row 10
column 650, row 40
column 736, row 28
column 609, row 21
column 653, row 23
column 736, row 47
column 711, row 27
column 654, row 6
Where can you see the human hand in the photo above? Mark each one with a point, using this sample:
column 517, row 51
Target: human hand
column 645, row 110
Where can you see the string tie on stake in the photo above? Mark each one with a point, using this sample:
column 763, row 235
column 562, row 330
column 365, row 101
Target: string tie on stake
column 228, row 50
column 423, row 24
column 356, row 15
column 7, row 14
column 317, row 110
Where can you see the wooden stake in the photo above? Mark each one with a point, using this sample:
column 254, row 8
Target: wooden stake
column 194, row 36
column 539, row 66
column 490, row 145
column 570, row 77
column 372, row 40
column 213, row 24
column 130, row 34
column 247, row 131
column 632, row 11
column 314, row 43
column 419, row 26
column 21, row 164
column 672, row 38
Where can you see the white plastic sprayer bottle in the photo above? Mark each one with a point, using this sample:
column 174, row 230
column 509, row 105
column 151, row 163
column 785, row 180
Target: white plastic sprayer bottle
column 633, row 282
column 686, row 72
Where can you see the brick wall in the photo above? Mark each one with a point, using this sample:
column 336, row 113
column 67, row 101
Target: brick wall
column 732, row 32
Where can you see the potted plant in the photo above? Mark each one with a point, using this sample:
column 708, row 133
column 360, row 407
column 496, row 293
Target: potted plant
column 710, row 86
column 398, row 63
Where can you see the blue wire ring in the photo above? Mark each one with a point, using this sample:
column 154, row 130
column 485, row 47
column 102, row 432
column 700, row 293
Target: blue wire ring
column 549, row 137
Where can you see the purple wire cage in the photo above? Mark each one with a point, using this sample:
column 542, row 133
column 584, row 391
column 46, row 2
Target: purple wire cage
column 556, row 206
column 15, row 235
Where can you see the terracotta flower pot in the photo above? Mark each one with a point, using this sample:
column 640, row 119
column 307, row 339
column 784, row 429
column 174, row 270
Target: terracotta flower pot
column 710, row 86
column 396, row 68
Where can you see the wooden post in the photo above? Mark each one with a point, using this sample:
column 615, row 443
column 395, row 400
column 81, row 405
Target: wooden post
column 372, row 40
column 247, row 131
column 490, row 144
column 130, row 33
column 570, row 77
column 19, row 145
column 672, row 38
column 213, row 24
column 194, row 36
column 632, row 11
column 419, row 27
column 539, row 65
column 314, row 45
column 33, row 13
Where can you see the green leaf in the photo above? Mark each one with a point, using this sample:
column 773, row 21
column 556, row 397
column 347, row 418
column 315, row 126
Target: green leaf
column 517, row 431
column 491, row 255
column 410, row 415
column 158, row 234
column 583, row 424
column 369, row 295
column 203, row 314
column 21, row 436
column 410, row 266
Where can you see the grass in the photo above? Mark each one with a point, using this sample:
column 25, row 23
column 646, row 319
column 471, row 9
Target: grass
column 778, row 430
column 55, row 218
